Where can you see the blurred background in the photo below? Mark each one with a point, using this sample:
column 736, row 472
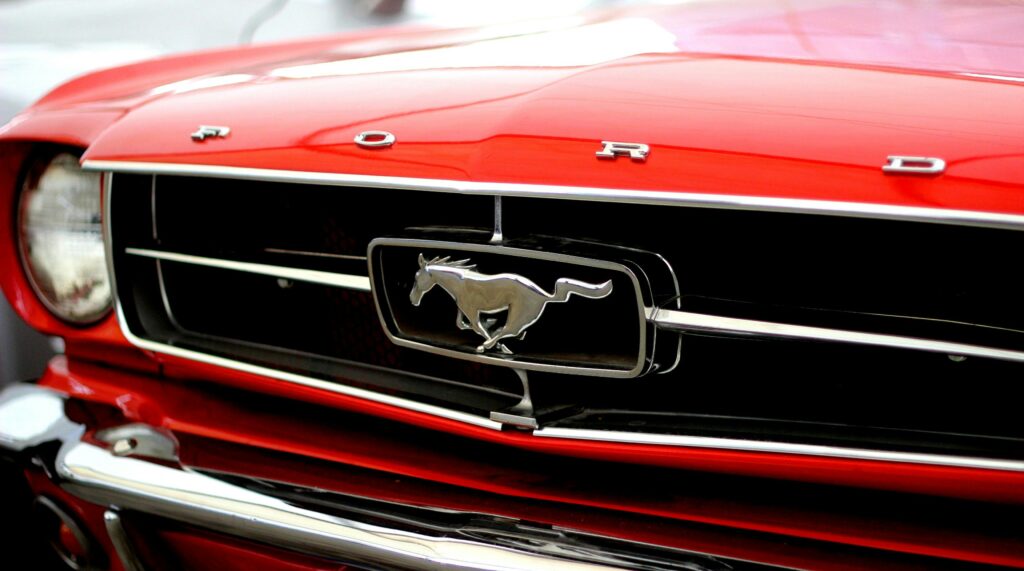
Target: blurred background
column 46, row 42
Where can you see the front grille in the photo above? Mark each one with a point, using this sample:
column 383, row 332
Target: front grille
column 900, row 279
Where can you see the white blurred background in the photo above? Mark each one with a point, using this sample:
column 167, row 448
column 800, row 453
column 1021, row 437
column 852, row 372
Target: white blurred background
column 46, row 42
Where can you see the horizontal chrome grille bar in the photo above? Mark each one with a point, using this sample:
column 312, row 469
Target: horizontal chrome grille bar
column 668, row 319
column 685, row 321
column 630, row 196
column 347, row 281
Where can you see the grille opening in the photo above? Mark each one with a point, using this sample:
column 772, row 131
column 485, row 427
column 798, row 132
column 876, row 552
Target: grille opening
column 303, row 328
column 891, row 277
column 267, row 220
column 812, row 393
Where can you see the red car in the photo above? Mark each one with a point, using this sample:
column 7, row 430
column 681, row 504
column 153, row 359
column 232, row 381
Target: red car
column 715, row 285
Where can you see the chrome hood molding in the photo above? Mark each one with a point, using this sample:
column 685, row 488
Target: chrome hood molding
column 680, row 197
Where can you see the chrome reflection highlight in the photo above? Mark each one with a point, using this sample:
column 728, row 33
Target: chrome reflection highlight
column 478, row 295
column 139, row 439
column 346, row 281
column 122, row 544
column 673, row 320
column 29, row 416
column 570, row 46
column 680, row 197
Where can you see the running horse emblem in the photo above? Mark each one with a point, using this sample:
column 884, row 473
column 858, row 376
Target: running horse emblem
column 480, row 295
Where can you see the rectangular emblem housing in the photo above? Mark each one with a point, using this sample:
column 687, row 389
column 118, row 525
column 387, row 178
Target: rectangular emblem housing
column 560, row 308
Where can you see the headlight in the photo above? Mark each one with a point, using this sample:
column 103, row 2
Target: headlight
column 61, row 239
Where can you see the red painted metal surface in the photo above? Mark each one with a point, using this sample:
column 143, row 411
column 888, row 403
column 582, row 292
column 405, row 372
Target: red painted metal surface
column 804, row 102
column 769, row 128
column 755, row 100
column 536, row 469
column 990, row 485
column 732, row 101
column 629, row 526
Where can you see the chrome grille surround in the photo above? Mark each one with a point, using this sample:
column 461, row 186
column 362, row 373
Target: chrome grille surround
column 666, row 318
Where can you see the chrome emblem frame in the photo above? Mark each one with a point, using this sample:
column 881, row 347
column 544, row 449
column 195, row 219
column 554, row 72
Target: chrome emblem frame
column 206, row 131
column 390, row 300
column 477, row 295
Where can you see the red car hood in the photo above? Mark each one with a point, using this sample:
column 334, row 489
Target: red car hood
column 788, row 99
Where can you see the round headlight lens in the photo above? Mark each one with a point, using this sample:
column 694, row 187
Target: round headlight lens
column 61, row 237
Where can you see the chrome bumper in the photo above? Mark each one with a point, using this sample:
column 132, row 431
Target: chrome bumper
column 121, row 472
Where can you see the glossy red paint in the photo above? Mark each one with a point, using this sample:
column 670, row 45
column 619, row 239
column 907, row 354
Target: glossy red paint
column 989, row 485
column 766, row 106
column 750, row 131
column 740, row 115
column 539, row 471
column 679, row 533
column 750, row 100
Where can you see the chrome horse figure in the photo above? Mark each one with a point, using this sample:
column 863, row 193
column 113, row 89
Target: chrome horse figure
column 478, row 295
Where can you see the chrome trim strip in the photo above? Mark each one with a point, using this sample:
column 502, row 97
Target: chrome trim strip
column 684, row 321
column 794, row 205
column 779, row 448
column 315, row 254
column 152, row 208
column 122, row 545
column 96, row 475
column 162, row 284
column 346, row 281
